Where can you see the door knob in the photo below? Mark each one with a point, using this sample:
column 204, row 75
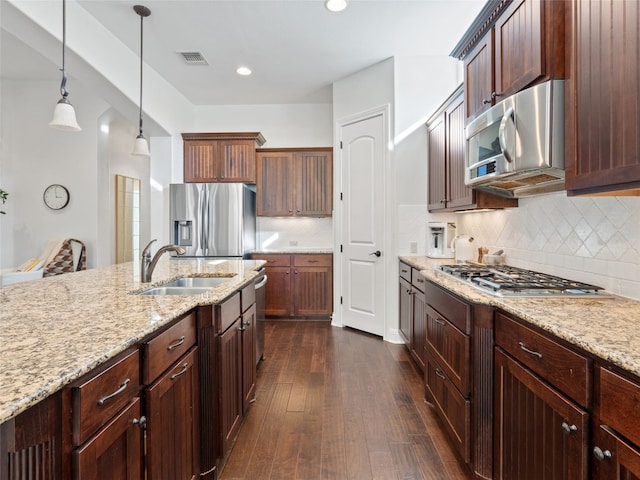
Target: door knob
column 377, row 253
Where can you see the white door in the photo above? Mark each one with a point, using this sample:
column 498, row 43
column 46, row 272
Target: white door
column 363, row 213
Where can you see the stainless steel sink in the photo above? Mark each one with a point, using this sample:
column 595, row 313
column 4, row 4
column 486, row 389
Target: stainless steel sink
column 175, row 291
column 197, row 282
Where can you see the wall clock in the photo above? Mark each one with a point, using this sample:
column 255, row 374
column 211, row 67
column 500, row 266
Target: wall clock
column 56, row 197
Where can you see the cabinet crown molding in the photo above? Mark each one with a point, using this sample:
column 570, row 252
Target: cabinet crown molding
column 482, row 23
column 256, row 136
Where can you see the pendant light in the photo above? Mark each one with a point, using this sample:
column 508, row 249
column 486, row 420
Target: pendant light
column 141, row 146
column 64, row 116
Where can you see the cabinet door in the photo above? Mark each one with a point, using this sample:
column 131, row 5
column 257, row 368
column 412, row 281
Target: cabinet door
column 312, row 291
column 273, row 184
column 248, row 356
column 199, row 161
column 539, row 433
column 406, row 314
column 173, row 422
column 602, row 121
column 437, row 160
column 313, row 183
column 237, row 161
column 458, row 193
column 115, row 451
column 419, row 334
column 478, row 77
column 230, row 384
column 519, row 45
column 614, row 458
column 278, row 292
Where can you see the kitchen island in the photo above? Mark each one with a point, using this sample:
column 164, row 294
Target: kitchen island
column 56, row 329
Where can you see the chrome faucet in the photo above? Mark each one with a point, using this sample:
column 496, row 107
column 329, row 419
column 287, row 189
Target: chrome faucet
column 147, row 264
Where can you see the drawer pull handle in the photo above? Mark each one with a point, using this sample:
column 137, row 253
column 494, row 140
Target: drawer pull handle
column 601, row 454
column 568, row 428
column 312, row 261
column 140, row 422
column 185, row 365
column 439, row 322
column 177, row 344
column 440, row 374
column 524, row 348
column 120, row 389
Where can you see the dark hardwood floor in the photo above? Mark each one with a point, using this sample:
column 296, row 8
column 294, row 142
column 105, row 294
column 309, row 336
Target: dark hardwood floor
column 336, row 403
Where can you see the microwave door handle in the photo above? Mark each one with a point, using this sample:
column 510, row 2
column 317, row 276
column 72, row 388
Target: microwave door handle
column 508, row 115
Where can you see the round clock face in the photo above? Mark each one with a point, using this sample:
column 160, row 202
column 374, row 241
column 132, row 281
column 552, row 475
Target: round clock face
column 56, row 197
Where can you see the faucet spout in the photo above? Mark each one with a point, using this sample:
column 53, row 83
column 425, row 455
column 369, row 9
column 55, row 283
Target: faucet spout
column 148, row 264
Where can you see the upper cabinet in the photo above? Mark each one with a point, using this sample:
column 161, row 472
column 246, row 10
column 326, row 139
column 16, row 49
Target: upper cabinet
column 221, row 157
column 446, row 149
column 601, row 98
column 294, row 182
column 510, row 46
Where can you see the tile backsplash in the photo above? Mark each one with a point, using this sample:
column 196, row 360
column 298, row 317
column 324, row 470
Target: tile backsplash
column 589, row 239
column 282, row 233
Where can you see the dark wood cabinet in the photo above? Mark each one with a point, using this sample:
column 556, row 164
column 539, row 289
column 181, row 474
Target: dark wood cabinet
column 413, row 312
column 614, row 457
column 509, row 47
column 446, row 148
column 172, row 401
column 31, row 446
column 115, row 451
column 230, row 383
column 294, row 182
column 220, row 157
column 542, row 396
column 406, row 310
column 602, row 125
column 298, row 285
column 539, row 432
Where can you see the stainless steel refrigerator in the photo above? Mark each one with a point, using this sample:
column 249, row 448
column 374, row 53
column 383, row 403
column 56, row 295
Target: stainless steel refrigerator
column 213, row 219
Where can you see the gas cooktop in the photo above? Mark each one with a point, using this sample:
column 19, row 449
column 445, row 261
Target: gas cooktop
column 507, row 281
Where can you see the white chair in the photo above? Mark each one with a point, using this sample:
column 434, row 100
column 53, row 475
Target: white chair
column 59, row 256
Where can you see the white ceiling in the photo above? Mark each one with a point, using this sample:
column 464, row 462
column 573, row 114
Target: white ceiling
column 296, row 48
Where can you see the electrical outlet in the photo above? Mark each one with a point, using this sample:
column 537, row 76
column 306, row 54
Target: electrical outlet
column 413, row 247
column 293, row 243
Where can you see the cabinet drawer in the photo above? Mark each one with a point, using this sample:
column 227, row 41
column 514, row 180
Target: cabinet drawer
column 228, row 312
column 312, row 260
column 405, row 271
column 451, row 348
column 453, row 409
column 167, row 347
column 274, row 260
column 619, row 400
column 565, row 369
column 248, row 296
column 417, row 280
column 449, row 306
column 103, row 394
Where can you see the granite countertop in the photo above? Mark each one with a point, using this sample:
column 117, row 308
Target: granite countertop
column 607, row 327
column 56, row 329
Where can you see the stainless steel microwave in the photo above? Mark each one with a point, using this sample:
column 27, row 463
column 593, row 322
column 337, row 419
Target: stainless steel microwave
column 516, row 148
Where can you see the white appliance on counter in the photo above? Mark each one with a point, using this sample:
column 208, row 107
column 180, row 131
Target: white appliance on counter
column 439, row 236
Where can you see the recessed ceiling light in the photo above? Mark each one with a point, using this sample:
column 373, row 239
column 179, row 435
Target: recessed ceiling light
column 335, row 5
column 243, row 71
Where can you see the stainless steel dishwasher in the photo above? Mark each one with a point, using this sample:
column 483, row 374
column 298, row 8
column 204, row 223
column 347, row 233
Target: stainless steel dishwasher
column 261, row 283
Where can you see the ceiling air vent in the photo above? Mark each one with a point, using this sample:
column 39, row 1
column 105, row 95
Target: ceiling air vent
column 193, row 58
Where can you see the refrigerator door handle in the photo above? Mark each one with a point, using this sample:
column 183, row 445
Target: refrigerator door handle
column 203, row 220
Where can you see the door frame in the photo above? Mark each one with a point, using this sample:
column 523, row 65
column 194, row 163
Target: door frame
column 390, row 265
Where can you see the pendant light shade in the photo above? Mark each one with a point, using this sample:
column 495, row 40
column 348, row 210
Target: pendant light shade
column 141, row 147
column 64, row 116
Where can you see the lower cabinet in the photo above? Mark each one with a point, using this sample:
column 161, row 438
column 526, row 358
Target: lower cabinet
column 616, row 430
column 298, row 285
column 230, row 386
column 541, row 429
column 173, row 423
column 413, row 312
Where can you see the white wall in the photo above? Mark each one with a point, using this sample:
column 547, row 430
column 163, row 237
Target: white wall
column 33, row 156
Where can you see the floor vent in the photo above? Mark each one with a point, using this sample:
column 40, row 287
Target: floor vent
column 193, row 58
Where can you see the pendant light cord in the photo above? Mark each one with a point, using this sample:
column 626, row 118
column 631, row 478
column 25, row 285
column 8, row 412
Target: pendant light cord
column 63, row 85
column 141, row 46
